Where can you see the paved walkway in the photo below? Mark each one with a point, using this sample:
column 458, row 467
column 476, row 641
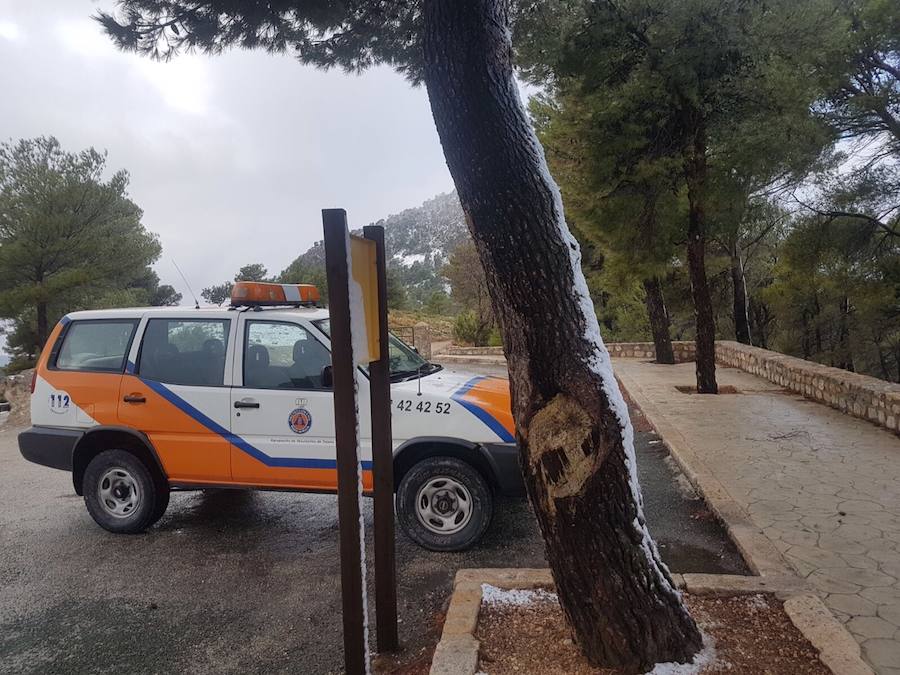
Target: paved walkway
column 824, row 487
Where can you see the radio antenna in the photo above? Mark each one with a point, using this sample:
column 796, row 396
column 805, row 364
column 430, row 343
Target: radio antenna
column 184, row 279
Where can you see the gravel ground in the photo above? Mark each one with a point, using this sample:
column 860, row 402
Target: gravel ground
column 248, row 582
column 747, row 635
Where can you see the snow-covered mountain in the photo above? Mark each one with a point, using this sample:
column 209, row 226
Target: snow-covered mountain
column 418, row 243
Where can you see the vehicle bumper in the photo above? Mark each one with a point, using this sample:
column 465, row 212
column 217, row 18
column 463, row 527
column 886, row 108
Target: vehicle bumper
column 505, row 458
column 49, row 447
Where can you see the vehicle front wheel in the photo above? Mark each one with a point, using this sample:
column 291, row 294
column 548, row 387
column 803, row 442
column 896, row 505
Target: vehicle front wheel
column 444, row 504
column 120, row 493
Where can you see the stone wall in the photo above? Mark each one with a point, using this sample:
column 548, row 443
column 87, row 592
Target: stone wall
column 862, row 396
column 457, row 350
column 684, row 350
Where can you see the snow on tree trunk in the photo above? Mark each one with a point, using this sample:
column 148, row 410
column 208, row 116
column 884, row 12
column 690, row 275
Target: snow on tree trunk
column 573, row 429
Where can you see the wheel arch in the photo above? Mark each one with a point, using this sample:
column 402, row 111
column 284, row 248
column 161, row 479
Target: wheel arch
column 423, row 447
column 101, row 438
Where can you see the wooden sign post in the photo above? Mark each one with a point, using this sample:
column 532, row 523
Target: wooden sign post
column 383, row 463
column 357, row 294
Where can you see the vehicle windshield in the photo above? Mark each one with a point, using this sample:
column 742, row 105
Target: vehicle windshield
column 406, row 364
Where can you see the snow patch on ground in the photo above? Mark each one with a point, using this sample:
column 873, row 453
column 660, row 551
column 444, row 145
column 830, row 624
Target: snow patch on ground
column 491, row 595
column 757, row 602
column 705, row 658
column 409, row 258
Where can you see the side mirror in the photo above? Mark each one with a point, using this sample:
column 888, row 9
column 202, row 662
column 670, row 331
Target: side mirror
column 327, row 377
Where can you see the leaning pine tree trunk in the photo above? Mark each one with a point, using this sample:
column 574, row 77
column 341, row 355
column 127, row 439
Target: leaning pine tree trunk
column 659, row 320
column 572, row 424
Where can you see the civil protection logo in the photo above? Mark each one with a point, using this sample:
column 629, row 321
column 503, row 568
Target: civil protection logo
column 300, row 420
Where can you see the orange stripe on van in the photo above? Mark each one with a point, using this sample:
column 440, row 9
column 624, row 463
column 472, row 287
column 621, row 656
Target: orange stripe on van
column 488, row 399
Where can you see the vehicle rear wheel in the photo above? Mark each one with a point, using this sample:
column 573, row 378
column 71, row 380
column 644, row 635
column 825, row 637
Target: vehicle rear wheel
column 162, row 493
column 121, row 494
column 444, row 504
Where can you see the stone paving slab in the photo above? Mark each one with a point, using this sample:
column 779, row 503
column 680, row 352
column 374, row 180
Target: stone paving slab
column 823, row 487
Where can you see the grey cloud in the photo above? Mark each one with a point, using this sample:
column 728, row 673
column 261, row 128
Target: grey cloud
column 231, row 157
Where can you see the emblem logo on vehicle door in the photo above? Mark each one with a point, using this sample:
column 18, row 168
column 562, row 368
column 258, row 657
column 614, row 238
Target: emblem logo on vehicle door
column 300, row 420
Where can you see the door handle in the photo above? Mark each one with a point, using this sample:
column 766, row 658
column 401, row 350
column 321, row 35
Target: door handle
column 246, row 404
column 134, row 398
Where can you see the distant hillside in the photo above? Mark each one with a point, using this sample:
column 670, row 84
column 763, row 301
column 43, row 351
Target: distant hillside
column 418, row 242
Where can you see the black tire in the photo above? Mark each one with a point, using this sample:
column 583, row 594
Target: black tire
column 130, row 488
column 429, row 473
column 162, row 493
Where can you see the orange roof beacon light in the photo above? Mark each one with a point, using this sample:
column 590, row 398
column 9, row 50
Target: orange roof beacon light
column 258, row 294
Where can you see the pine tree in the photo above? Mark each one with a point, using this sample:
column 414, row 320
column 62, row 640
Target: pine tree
column 572, row 424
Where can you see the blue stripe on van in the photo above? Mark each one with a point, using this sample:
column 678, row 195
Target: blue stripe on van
column 240, row 443
column 492, row 423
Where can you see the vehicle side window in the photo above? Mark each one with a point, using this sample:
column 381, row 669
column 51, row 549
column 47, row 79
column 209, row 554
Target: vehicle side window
column 184, row 351
column 98, row 346
column 281, row 355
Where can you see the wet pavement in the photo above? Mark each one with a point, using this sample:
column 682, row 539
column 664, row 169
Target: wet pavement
column 821, row 485
column 246, row 582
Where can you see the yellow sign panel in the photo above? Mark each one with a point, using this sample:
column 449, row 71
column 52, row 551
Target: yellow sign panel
column 364, row 272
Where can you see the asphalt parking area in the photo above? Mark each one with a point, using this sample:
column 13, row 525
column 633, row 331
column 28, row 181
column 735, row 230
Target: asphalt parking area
column 233, row 581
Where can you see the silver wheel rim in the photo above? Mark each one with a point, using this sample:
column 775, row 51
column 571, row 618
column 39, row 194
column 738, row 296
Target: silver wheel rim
column 118, row 492
column 444, row 505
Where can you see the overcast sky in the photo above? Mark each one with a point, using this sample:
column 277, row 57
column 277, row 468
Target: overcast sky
column 231, row 157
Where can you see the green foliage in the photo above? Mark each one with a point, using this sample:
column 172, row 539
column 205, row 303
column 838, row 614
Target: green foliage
column 468, row 285
column 396, row 293
column 662, row 108
column 306, row 271
column 860, row 70
column 439, row 303
column 69, row 240
column 165, row 296
column 252, row 272
column 217, row 294
column 351, row 35
column 835, row 295
column 468, row 329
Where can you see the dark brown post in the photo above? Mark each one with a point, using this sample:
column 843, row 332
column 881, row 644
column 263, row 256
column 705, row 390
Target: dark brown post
column 383, row 465
column 356, row 654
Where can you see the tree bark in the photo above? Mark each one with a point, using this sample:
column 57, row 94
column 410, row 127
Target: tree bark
column 659, row 320
column 760, row 320
column 695, row 173
column 572, row 426
column 43, row 330
column 844, row 350
column 739, row 286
